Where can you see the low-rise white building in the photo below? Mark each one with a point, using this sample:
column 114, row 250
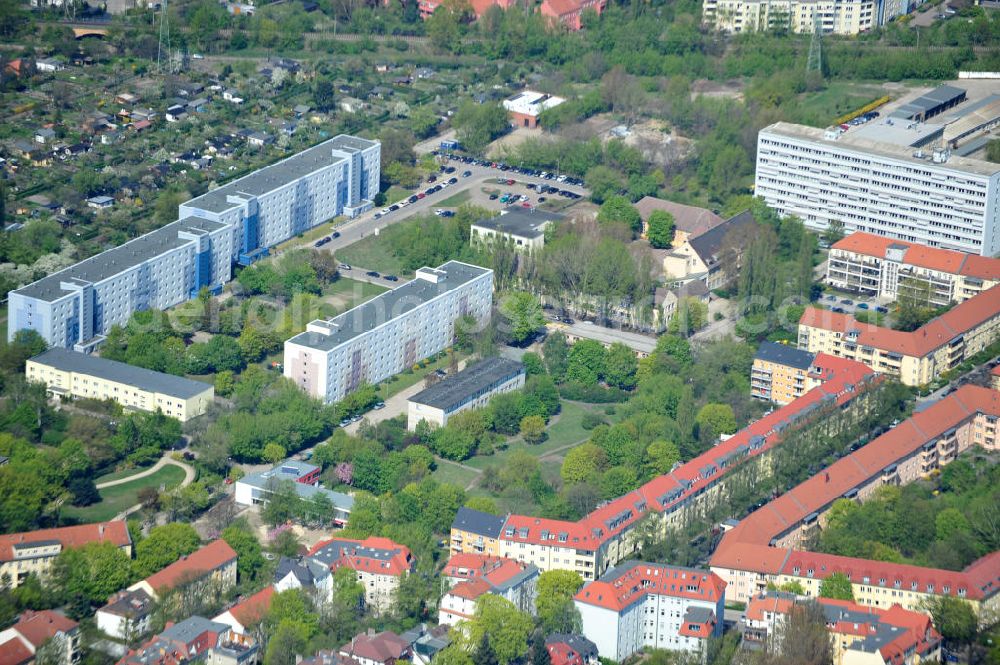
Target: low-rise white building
column 471, row 388
column 525, row 107
column 637, row 605
column 524, row 229
column 74, row 374
column 126, row 616
column 389, row 333
column 254, row 489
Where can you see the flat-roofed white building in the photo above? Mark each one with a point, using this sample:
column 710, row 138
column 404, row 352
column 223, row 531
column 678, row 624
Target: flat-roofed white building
column 472, row 388
column 390, row 332
column 525, row 107
column 919, row 195
column 235, row 223
column 66, row 372
column 523, row 229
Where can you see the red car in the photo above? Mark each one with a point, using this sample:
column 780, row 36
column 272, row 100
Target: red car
column 421, row 195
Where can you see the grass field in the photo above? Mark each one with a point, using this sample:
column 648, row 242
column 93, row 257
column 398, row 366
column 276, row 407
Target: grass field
column 456, row 475
column 403, row 381
column 821, row 108
column 394, row 194
column 456, row 200
column 346, row 293
column 118, row 498
column 309, row 236
column 371, row 253
column 115, row 475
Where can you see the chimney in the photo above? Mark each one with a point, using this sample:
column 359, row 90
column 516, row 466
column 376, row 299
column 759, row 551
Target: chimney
column 100, row 529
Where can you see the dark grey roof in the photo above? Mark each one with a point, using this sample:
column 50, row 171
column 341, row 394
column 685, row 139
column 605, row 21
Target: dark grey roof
column 474, row 521
column 389, row 305
column 306, row 571
column 577, row 643
column 783, row 354
column 698, row 614
column 118, row 259
column 186, row 631
column 112, row 370
column 335, row 549
column 520, row 222
column 939, row 96
column 281, row 173
column 468, row 384
column 131, row 604
column 709, row 245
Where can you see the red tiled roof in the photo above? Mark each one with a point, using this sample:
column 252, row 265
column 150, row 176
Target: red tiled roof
column 561, row 7
column 695, row 629
column 746, row 546
column 932, row 258
column 252, row 610
column 844, row 380
column 932, row 335
column 209, row 558
column 398, row 564
column 14, row 652
column 773, row 603
column 480, row 6
column 69, row 536
column 381, row 648
column 621, row 587
column 37, row 627
column 471, row 589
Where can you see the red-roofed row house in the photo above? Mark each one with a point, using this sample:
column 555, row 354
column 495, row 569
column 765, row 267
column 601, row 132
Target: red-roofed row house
column 469, row 576
column 886, row 268
column 761, row 548
column 32, row 552
column 568, row 12
column 213, row 564
column 859, row 635
column 915, row 358
column 20, row 643
column 638, row 605
column 607, row 536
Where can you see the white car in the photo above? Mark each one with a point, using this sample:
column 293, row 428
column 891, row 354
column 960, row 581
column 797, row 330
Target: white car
column 561, row 178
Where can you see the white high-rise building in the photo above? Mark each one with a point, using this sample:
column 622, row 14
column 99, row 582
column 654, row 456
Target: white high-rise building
column 841, row 17
column 919, row 195
column 236, row 223
column 390, row 332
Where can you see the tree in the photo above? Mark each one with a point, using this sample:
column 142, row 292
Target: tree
column 524, row 315
column 283, row 504
column 451, row 443
column 586, row 362
column 533, row 365
column 502, row 626
column 950, row 522
column 555, row 608
column 620, row 366
column 483, row 504
column 619, row 210
column 954, row 618
column 323, row 94
column 603, row 182
column 84, row 491
column 660, row 231
column 274, row 453
column 582, row 463
column 478, row 124
column 164, row 545
column 91, row 573
column 533, row 429
column 250, row 559
column 691, row 315
column 661, row 456
column 836, row 586
column 539, row 652
column 555, row 353
column 803, row 639
column 717, row 419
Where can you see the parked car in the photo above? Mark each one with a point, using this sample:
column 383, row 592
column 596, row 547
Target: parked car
column 882, row 310
column 372, row 273
column 466, row 174
column 862, row 305
column 379, row 405
column 345, row 266
column 494, row 196
column 846, row 301
column 391, row 278
column 336, row 234
column 412, row 199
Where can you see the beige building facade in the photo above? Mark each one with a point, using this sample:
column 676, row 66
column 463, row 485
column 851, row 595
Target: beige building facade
column 72, row 374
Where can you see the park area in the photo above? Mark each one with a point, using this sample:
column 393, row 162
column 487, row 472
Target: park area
column 119, row 498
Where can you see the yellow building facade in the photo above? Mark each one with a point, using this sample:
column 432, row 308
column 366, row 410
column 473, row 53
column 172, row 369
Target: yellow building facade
column 72, row 374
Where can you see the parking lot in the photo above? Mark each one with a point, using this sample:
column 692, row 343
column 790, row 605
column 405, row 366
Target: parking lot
column 846, row 304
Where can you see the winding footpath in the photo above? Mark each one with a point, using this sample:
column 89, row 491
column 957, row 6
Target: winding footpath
column 189, row 476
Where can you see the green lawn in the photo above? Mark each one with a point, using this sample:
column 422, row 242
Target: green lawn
column 403, row 381
column 394, row 194
column 371, row 253
column 822, row 108
column 565, row 429
column 309, row 236
column 456, row 200
column 115, row 475
column 120, row 497
column 456, row 475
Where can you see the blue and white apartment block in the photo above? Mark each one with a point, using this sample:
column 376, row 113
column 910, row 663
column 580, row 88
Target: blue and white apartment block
column 234, row 224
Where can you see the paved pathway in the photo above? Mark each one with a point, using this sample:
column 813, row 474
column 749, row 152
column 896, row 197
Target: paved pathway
column 189, row 473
